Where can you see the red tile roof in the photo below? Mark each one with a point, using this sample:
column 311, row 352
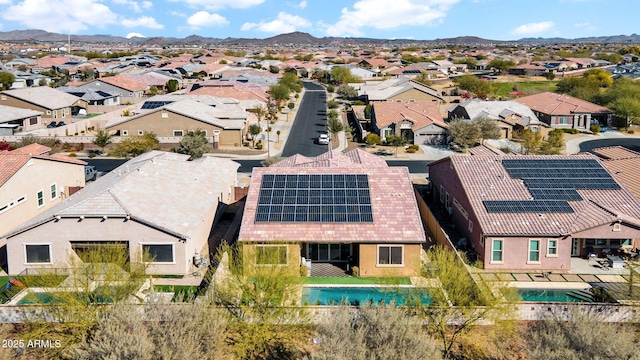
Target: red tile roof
column 615, row 153
column 484, row 178
column 32, row 149
column 624, row 165
column 421, row 113
column 559, row 104
column 124, row 82
column 10, row 164
column 395, row 212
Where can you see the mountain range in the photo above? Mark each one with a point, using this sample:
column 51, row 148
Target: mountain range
column 294, row 38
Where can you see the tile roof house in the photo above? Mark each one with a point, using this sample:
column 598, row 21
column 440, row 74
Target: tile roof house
column 509, row 115
column 623, row 164
column 13, row 119
column 93, row 96
column 158, row 202
column 32, row 181
column 419, row 122
column 566, row 112
column 534, row 213
column 53, row 103
column 346, row 209
column 400, row 89
column 223, row 124
column 127, row 87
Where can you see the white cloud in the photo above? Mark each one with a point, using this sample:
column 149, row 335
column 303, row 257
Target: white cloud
column 303, row 4
column 134, row 34
column 205, row 19
column 586, row 26
column 379, row 14
column 220, row 4
column 147, row 4
column 134, row 5
column 61, row 16
column 178, row 14
column 143, row 21
column 284, row 23
column 533, row 28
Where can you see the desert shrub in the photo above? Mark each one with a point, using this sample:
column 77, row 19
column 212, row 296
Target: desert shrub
column 355, row 271
column 595, row 128
column 411, row 150
column 92, row 155
column 73, row 154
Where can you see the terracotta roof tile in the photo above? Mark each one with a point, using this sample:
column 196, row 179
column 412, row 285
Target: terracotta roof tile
column 559, row 104
column 32, row 149
column 124, row 83
column 420, row 113
column 615, row 153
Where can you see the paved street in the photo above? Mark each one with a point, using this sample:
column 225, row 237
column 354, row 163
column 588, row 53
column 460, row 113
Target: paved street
column 310, row 121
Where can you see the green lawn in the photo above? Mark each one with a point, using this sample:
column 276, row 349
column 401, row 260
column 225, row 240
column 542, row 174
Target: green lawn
column 4, row 280
column 528, row 87
column 342, row 280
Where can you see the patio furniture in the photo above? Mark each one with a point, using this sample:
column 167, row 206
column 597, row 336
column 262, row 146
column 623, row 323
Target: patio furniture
column 591, row 253
column 615, row 262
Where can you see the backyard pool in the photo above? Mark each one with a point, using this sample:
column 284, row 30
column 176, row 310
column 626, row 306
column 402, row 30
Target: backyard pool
column 555, row 295
column 363, row 295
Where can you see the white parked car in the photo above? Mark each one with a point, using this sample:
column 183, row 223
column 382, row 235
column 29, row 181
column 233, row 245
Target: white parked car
column 323, row 139
column 90, row 173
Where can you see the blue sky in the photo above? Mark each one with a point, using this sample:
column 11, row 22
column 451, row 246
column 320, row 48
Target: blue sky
column 382, row 19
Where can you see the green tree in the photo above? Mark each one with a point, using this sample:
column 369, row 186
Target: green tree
column 464, row 133
column 501, row 65
column 291, row 81
column 132, row 146
column 254, row 130
column 6, row 80
column 553, row 144
column 396, row 141
column 279, row 93
column 600, row 77
column 347, row 92
column 550, row 75
column 260, row 112
column 259, row 293
column 102, row 139
column 334, row 124
column 627, row 108
column 374, row 332
column 488, row 129
column 423, row 78
column 461, row 304
column 474, row 85
column 153, row 90
column 342, row 75
column 373, row 139
column 531, row 141
column 194, row 144
column 172, row 85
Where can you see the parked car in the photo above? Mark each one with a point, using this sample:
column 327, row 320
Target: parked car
column 61, row 123
column 323, row 139
column 90, row 173
column 52, row 125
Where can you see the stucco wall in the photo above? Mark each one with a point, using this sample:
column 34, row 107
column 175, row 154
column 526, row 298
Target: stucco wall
column 28, row 181
column 516, row 254
column 368, row 258
column 164, row 127
column 59, row 233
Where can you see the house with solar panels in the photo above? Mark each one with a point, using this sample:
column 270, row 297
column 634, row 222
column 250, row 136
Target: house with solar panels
column 334, row 211
column 535, row 212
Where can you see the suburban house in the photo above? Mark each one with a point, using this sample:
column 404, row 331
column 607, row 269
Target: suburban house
column 509, row 116
column 419, row 122
column 54, row 104
column 158, row 203
column 533, row 213
column 224, row 125
column 400, row 89
column 13, row 120
column 336, row 210
column 93, row 96
column 129, row 89
column 566, row 112
column 623, row 164
column 32, row 181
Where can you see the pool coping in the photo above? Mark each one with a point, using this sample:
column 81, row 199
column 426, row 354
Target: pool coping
column 360, row 286
column 550, row 285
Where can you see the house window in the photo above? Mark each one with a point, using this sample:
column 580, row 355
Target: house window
column 496, row 251
column 48, row 112
column 54, row 191
column 40, row 198
column 470, row 226
column 158, row 253
column 125, row 132
column 617, row 227
column 552, row 248
column 178, row 133
column 534, row 251
column 38, row 254
column 33, row 121
column 389, row 255
column 204, row 132
column 619, row 242
column 140, row 132
column 271, row 254
column 55, row 114
column 563, row 120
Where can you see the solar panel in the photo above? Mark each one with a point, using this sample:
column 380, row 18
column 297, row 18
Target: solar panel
column 314, row 198
column 525, row 206
column 154, row 104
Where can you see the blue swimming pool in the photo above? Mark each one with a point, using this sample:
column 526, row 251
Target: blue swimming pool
column 363, row 295
column 555, row 295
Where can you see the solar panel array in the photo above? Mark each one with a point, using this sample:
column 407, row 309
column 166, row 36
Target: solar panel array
column 154, row 104
column 552, row 182
column 333, row 198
